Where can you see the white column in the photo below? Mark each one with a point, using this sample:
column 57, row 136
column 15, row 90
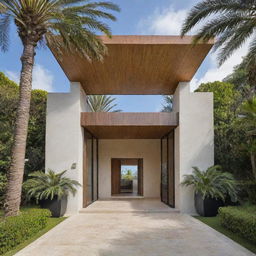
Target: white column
column 194, row 139
column 64, row 138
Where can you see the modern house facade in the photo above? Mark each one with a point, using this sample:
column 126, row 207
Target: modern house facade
column 163, row 147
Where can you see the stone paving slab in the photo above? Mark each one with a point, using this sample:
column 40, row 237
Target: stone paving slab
column 133, row 234
column 132, row 205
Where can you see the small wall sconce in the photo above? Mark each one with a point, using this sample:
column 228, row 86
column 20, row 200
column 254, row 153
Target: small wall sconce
column 73, row 166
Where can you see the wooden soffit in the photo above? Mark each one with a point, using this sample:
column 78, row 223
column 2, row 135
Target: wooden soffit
column 105, row 125
column 137, row 65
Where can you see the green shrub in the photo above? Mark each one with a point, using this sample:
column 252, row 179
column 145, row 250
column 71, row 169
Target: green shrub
column 15, row 230
column 248, row 190
column 3, row 182
column 240, row 220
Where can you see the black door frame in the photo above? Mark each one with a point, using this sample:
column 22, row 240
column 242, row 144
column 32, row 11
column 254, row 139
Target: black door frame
column 168, row 166
column 93, row 154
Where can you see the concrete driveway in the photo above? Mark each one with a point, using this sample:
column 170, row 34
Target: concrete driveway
column 133, row 228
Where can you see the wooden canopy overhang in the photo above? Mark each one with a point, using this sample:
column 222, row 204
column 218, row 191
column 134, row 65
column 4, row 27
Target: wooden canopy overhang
column 105, row 125
column 137, row 65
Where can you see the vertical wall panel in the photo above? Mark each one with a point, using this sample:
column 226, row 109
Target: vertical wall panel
column 115, row 176
column 167, row 170
column 164, row 171
column 171, row 176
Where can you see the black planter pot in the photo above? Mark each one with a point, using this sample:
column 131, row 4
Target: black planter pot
column 57, row 207
column 207, row 207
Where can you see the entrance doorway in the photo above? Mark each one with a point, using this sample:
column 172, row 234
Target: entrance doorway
column 127, row 177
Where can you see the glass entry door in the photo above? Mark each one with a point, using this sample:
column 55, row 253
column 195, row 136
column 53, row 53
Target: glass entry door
column 167, row 170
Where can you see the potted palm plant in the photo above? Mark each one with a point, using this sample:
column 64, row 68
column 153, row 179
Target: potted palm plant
column 50, row 189
column 212, row 188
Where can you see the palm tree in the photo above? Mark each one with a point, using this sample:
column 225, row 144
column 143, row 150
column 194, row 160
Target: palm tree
column 102, row 103
column 42, row 185
column 248, row 118
column 212, row 183
column 68, row 24
column 167, row 107
column 232, row 22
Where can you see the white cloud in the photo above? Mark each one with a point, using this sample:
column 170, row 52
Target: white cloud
column 42, row 78
column 216, row 73
column 14, row 76
column 194, row 83
column 164, row 22
column 169, row 21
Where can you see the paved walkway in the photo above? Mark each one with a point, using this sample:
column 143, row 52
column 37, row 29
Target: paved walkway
column 149, row 230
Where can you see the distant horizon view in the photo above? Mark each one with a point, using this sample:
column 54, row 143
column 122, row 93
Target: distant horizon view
column 132, row 168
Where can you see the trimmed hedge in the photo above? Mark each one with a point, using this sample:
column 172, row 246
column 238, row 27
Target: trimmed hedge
column 240, row 220
column 15, row 230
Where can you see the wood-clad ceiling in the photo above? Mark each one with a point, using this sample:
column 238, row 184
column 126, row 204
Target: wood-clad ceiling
column 105, row 125
column 137, row 65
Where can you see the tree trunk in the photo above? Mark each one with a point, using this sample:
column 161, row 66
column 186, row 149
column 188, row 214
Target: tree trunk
column 253, row 164
column 16, row 171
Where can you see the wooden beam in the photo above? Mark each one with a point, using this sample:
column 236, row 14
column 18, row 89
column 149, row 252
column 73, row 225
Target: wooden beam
column 105, row 125
column 128, row 119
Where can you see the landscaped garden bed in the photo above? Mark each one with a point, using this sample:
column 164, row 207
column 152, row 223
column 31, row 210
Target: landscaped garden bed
column 18, row 231
column 236, row 222
column 240, row 220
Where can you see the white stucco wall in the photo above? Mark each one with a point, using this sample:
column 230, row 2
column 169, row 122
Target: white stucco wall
column 194, row 139
column 64, row 137
column 149, row 150
column 193, row 144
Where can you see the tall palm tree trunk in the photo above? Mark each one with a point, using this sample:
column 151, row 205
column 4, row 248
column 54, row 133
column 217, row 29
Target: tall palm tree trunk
column 16, row 171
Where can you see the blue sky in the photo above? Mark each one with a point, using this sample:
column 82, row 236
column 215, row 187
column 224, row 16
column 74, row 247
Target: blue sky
column 133, row 168
column 139, row 17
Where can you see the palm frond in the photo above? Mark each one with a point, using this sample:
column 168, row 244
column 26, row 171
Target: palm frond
column 167, row 107
column 217, row 26
column 5, row 20
column 232, row 22
column 235, row 41
column 42, row 185
column 212, row 183
column 66, row 25
column 206, row 8
column 102, row 103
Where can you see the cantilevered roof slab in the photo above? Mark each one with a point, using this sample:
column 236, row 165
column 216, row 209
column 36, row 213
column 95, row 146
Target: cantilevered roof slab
column 106, row 125
column 137, row 65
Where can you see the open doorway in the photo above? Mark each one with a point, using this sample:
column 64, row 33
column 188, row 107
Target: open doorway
column 127, row 177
